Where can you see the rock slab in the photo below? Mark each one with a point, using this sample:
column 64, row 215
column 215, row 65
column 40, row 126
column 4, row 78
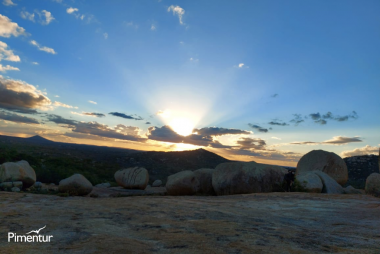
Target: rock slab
column 246, row 177
column 330, row 186
column 75, row 185
column 182, row 183
column 327, row 162
column 132, row 178
column 18, row 171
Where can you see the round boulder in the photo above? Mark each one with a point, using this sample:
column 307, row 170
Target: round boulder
column 327, row 162
column 157, row 183
column 246, row 177
column 132, row 178
column 75, row 185
column 372, row 184
column 310, row 182
column 182, row 183
column 204, row 176
column 18, row 171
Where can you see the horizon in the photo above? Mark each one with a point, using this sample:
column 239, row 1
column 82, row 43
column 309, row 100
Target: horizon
column 247, row 80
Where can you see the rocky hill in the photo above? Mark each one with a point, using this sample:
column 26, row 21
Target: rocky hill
column 360, row 167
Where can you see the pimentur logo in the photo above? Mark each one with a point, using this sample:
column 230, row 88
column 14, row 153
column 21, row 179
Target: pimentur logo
column 30, row 238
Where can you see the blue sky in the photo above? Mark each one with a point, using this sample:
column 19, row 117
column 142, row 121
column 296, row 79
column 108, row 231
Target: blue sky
column 250, row 80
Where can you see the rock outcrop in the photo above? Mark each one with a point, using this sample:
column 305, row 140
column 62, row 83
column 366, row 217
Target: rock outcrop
column 182, row 183
column 18, row 171
column 75, row 185
column 372, row 184
column 157, row 183
column 9, row 185
column 351, row 190
column 132, row 178
column 204, row 176
column 330, row 186
column 327, row 162
column 246, row 177
column 310, row 182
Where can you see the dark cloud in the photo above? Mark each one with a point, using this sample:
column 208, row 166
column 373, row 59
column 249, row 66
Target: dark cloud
column 94, row 114
column 321, row 119
column 21, row 97
column 60, row 120
column 166, row 134
column 338, row 140
column 274, row 95
column 122, row 115
column 297, row 119
column 277, row 123
column 216, row 131
column 251, row 143
column 328, row 115
column 148, row 123
column 258, row 128
column 315, row 116
column 17, row 118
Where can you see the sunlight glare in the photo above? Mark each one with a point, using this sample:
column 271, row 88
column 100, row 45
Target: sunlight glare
column 183, row 126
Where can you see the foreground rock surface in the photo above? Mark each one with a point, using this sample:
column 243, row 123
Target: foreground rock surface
column 246, row 177
column 252, row 223
column 327, row 162
column 132, row 178
column 372, row 184
column 18, row 171
column 75, row 185
column 182, row 183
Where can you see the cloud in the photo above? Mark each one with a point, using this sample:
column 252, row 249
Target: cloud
column 89, row 114
column 152, row 27
column 278, row 123
column 251, row 143
column 47, row 16
column 7, row 54
column 60, row 104
column 17, row 118
column 337, row 140
column 321, row 119
column 21, row 97
column 60, row 120
column 35, row 63
column 297, row 119
column 276, row 138
column 258, row 128
column 315, row 116
column 241, row 65
column 46, row 49
column 6, row 68
column 122, row 115
column 8, row 28
column 177, row 11
column 8, row 3
column 148, row 123
column 93, row 102
column 71, row 10
column 274, row 95
column 105, row 36
column 216, row 131
column 27, row 15
column 166, row 134
column 131, row 24
column 361, row 151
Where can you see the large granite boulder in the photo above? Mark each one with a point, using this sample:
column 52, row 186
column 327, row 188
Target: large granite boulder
column 246, row 177
column 132, row 178
column 372, row 184
column 182, row 183
column 204, row 176
column 310, row 182
column 330, row 186
column 327, row 162
column 18, row 171
column 75, row 185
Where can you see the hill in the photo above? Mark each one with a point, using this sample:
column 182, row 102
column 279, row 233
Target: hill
column 360, row 167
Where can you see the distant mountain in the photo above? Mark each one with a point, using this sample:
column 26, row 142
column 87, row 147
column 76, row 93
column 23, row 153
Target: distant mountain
column 38, row 139
column 360, row 167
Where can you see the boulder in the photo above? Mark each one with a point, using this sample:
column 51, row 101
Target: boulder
column 351, row 190
column 204, row 176
column 247, row 177
column 15, row 189
column 327, row 162
column 310, row 182
column 372, row 184
column 103, row 185
column 9, row 185
column 75, row 185
column 18, row 171
column 132, row 178
column 37, row 185
column 182, row 183
column 157, row 183
column 330, row 186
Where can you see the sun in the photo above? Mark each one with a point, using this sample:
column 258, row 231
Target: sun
column 183, row 126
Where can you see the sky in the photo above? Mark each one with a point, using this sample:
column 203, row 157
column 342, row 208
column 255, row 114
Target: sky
column 257, row 80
